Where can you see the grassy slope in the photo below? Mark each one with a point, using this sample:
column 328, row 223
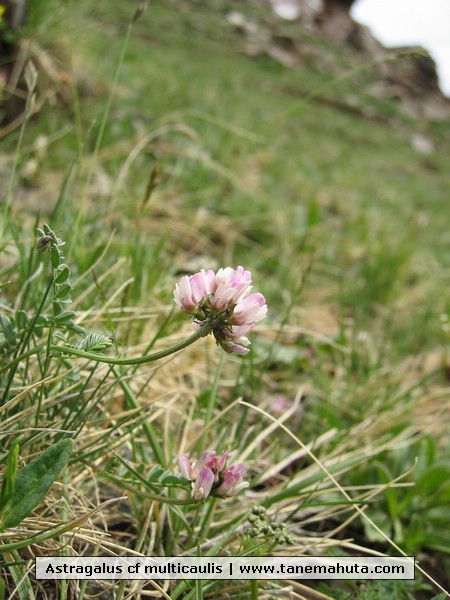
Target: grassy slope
column 252, row 174
column 376, row 208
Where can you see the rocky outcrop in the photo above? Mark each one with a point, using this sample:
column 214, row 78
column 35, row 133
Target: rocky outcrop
column 408, row 75
column 334, row 21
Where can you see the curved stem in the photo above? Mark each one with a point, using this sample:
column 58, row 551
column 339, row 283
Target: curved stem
column 205, row 329
column 111, row 360
column 155, row 497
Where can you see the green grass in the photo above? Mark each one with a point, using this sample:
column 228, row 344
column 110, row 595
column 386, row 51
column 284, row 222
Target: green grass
column 344, row 227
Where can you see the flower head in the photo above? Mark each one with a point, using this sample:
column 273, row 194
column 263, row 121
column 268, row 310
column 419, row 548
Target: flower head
column 224, row 301
column 209, row 476
column 232, row 481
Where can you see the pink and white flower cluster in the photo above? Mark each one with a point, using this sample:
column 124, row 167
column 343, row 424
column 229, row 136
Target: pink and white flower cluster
column 210, row 477
column 224, row 300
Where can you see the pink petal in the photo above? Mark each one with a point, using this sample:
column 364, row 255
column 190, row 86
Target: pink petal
column 237, row 347
column 250, row 310
column 222, row 460
column 206, row 459
column 183, row 295
column 202, row 486
column 232, row 481
column 209, row 280
column 186, row 467
column 198, row 287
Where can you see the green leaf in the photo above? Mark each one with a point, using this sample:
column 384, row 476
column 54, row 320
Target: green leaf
column 154, row 473
column 439, row 541
column 55, row 257
column 434, row 478
column 95, row 342
column 386, row 475
column 59, row 335
column 9, row 479
column 34, row 480
column 21, row 319
column 42, row 321
column 62, row 274
column 8, row 328
column 63, row 292
column 168, row 478
column 57, row 309
column 159, row 475
column 64, row 317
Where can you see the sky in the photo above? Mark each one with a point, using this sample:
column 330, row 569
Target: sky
column 411, row 23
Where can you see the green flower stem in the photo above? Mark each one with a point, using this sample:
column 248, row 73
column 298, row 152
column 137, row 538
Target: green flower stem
column 204, row 527
column 194, row 525
column 254, row 589
column 123, row 484
column 111, row 360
